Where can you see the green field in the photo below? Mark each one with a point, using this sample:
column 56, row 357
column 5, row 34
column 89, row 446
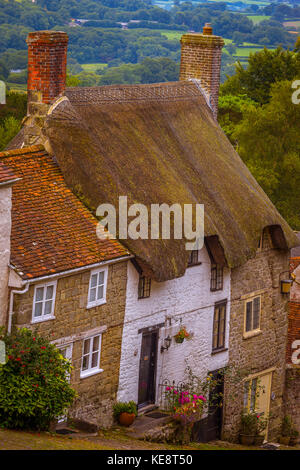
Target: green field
column 17, row 87
column 93, row 67
column 258, row 18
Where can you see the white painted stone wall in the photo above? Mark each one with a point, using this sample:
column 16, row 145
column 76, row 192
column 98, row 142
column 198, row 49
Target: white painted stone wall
column 5, row 230
column 188, row 300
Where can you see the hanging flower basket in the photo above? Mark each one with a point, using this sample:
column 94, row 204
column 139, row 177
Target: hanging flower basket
column 181, row 335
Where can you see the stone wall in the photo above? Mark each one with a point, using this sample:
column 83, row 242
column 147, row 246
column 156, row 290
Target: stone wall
column 5, row 229
column 292, row 394
column 266, row 349
column 97, row 392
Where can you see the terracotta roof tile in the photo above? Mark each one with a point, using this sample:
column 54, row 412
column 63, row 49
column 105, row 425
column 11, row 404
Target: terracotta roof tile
column 52, row 231
column 6, row 174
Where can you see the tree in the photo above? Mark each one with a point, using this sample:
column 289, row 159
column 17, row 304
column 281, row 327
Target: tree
column 268, row 141
column 264, row 68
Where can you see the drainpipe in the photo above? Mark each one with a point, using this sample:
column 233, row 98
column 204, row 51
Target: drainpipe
column 11, row 303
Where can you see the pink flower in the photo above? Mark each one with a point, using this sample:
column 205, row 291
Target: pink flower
column 200, row 397
column 175, row 391
column 168, row 389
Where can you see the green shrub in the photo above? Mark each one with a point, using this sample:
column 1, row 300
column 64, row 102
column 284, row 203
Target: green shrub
column 34, row 388
column 249, row 423
column 124, row 407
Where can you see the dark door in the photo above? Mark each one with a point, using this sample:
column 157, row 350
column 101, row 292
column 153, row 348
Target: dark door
column 147, row 368
column 209, row 428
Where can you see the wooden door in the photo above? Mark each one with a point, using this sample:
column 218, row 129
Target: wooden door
column 264, row 395
column 210, row 428
column 146, row 392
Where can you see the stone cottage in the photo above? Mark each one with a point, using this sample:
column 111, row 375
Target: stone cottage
column 161, row 144
column 64, row 282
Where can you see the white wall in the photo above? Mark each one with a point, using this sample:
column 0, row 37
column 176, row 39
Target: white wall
column 188, row 299
column 5, row 230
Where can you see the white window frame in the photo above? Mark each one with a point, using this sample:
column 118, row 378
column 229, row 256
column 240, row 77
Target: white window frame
column 51, row 315
column 102, row 301
column 91, row 370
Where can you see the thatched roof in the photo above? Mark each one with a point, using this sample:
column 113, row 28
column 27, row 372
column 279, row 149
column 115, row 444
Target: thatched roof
column 160, row 144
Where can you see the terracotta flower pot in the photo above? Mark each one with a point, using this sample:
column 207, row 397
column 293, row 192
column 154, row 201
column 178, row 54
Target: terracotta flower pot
column 258, row 440
column 246, row 439
column 126, row 419
column 293, row 441
column 284, row 440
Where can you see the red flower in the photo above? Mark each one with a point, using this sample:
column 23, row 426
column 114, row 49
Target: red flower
column 18, row 358
column 33, row 339
column 10, row 357
column 43, row 347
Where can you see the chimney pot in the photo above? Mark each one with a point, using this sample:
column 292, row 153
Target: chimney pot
column 207, row 29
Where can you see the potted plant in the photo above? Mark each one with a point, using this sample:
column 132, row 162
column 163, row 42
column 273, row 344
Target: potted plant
column 125, row 412
column 262, row 423
column 294, row 437
column 181, row 335
column 248, row 428
column 286, row 430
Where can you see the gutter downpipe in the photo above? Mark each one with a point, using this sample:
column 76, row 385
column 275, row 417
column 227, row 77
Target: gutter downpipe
column 11, row 303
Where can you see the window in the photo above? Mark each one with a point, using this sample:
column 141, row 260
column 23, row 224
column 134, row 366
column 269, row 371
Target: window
column 66, row 352
column 193, row 258
column 97, row 288
column 219, row 326
column 43, row 302
column 250, row 394
column 91, row 356
column 144, row 288
column 216, row 277
column 252, row 314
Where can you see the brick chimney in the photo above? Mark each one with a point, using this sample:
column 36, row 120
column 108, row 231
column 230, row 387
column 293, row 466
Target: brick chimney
column 47, row 65
column 201, row 59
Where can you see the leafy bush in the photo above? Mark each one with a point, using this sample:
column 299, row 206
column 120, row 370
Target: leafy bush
column 249, row 423
column 124, row 407
column 34, row 388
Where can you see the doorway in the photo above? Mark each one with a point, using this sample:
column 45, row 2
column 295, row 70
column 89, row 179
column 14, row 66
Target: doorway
column 210, row 428
column 147, row 371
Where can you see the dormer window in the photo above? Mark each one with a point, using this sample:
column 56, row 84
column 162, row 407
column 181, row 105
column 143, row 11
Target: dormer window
column 144, row 287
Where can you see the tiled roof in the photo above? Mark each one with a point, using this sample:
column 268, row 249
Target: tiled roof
column 52, row 231
column 6, row 174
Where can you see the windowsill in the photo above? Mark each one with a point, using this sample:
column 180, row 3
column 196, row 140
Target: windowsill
column 251, row 334
column 90, row 373
column 194, row 264
column 141, row 298
column 219, row 350
column 41, row 320
column 96, row 304
column 216, row 290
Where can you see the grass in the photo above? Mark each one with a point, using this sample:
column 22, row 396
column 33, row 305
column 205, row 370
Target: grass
column 258, row 18
column 22, row 88
column 91, row 68
column 116, row 439
column 170, row 34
